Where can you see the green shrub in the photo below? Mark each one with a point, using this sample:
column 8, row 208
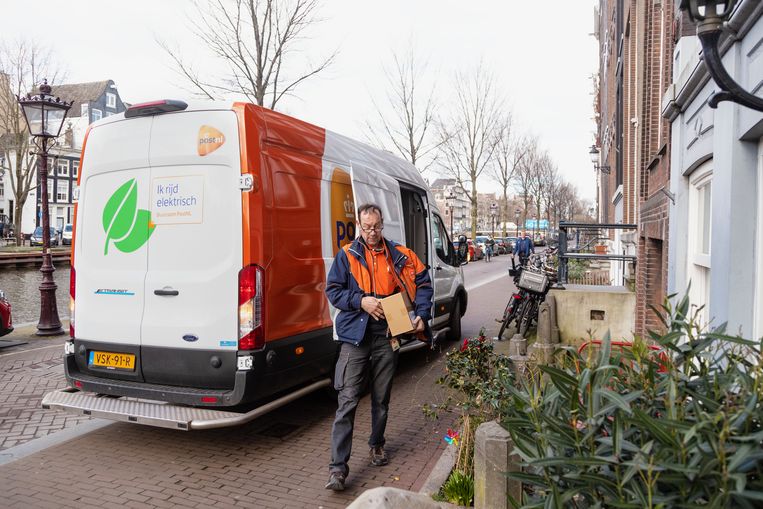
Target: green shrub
column 676, row 422
column 459, row 489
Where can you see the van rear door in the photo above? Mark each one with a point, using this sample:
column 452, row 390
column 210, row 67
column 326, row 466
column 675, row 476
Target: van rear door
column 110, row 250
column 373, row 186
column 190, row 324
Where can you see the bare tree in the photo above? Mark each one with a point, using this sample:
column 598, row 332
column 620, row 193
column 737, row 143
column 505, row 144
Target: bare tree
column 542, row 175
column 509, row 152
column 525, row 174
column 254, row 39
column 409, row 127
column 23, row 65
column 468, row 142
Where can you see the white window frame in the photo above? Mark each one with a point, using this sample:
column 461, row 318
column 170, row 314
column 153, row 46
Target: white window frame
column 51, row 194
column 2, row 192
column 97, row 114
column 51, row 166
column 83, row 110
column 698, row 263
column 62, row 164
column 62, row 197
column 757, row 319
column 75, row 168
column 111, row 100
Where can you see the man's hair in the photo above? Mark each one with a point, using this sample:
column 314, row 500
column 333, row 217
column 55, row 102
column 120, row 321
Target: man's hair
column 369, row 208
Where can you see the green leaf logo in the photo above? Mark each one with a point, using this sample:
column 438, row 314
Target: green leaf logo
column 124, row 223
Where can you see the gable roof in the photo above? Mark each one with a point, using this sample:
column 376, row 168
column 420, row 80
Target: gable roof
column 80, row 93
column 440, row 183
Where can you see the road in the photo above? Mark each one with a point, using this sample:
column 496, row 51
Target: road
column 278, row 460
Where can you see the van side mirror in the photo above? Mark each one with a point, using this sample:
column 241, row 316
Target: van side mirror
column 463, row 250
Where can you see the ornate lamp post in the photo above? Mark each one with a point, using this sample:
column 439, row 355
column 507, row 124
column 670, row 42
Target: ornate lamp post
column 44, row 116
column 449, row 199
column 493, row 212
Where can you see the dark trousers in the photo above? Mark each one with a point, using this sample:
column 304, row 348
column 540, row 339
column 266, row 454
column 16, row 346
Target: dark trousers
column 372, row 361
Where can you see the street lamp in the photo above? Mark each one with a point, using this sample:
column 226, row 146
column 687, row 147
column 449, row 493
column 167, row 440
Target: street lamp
column 517, row 212
column 709, row 16
column 449, row 199
column 493, row 212
column 44, row 117
column 596, row 159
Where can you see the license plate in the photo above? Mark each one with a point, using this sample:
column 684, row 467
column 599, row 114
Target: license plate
column 112, row 360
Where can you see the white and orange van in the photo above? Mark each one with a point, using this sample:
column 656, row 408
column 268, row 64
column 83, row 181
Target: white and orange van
column 202, row 239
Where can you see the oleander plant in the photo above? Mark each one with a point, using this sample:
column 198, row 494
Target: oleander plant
column 673, row 421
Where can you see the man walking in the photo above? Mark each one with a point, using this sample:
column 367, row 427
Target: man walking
column 363, row 272
column 524, row 247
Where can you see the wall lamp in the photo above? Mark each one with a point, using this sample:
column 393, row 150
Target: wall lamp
column 709, row 17
column 594, row 153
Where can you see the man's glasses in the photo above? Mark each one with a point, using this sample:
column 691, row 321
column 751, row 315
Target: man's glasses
column 372, row 229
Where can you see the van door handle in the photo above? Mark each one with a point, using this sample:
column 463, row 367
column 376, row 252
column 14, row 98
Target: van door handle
column 438, row 267
column 166, row 292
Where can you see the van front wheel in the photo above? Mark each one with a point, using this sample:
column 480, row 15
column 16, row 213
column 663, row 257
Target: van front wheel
column 455, row 321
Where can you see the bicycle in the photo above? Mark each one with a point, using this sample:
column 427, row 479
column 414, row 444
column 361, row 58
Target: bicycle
column 533, row 281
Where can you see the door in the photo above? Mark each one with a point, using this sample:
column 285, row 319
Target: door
column 112, row 233
column 372, row 186
column 445, row 273
column 195, row 254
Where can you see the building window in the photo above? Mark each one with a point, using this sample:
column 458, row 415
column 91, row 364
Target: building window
column 700, row 237
column 108, row 113
column 51, row 165
column 2, row 193
column 75, row 168
column 111, row 100
column 97, row 114
column 62, row 194
column 83, row 110
column 50, row 190
column 63, row 167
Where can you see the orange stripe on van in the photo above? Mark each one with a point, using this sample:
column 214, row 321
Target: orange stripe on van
column 281, row 223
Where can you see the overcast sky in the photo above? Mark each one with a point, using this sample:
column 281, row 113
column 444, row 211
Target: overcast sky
column 541, row 53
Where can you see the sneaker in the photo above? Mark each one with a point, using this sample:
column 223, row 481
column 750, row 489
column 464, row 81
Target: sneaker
column 336, row 482
column 378, row 456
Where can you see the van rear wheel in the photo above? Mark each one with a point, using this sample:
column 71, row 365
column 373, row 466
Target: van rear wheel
column 454, row 334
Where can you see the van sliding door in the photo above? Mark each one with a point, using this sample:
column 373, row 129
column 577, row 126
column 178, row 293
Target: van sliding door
column 372, row 186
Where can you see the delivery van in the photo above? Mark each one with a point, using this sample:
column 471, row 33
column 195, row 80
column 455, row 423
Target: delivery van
column 203, row 235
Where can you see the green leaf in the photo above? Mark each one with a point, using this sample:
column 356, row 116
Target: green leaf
column 119, row 212
column 621, row 402
column 139, row 234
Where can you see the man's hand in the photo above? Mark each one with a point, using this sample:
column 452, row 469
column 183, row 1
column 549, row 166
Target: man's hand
column 419, row 324
column 373, row 307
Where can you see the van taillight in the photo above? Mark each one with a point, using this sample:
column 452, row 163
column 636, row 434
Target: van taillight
column 72, row 293
column 251, row 330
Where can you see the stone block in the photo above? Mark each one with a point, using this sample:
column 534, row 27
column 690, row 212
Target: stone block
column 492, row 460
column 394, row 498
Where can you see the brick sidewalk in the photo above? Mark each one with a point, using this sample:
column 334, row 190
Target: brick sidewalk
column 27, row 372
column 277, row 461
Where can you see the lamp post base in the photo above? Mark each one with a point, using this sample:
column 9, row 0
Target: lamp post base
column 49, row 324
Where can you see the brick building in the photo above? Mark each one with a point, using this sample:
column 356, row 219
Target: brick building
column 636, row 41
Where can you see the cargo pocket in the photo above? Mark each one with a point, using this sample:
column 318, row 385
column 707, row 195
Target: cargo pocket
column 340, row 371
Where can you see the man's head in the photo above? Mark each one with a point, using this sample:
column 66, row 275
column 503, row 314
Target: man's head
column 370, row 222
column 524, row 233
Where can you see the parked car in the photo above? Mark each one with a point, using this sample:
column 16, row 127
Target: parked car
column 500, row 246
column 6, row 322
column 66, row 236
column 36, row 238
column 511, row 242
column 475, row 251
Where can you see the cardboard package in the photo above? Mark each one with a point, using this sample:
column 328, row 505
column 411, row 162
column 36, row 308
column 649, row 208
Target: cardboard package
column 399, row 314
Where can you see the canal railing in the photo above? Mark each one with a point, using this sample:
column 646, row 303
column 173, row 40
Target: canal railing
column 32, row 258
column 565, row 254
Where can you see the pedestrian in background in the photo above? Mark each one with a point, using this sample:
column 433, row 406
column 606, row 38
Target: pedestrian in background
column 524, row 247
column 363, row 272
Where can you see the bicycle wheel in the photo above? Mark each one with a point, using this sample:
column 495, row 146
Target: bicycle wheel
column 530, row 311
column 508, row 315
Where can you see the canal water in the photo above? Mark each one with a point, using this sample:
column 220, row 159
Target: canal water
column 21, row 286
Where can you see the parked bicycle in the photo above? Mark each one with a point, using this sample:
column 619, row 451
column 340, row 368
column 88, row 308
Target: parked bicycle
column 533, row 281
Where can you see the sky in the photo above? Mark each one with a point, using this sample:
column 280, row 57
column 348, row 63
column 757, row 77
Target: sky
column 542, row 55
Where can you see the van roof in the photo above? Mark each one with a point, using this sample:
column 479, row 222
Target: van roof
column 338, row 147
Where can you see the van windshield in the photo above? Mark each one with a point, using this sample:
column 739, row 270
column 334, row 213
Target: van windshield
column 68, row 228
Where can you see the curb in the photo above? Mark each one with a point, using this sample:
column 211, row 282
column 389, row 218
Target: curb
column 440, row 472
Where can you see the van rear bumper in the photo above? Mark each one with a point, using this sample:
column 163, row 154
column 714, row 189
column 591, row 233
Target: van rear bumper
column 168, row 393
column 275, row 370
